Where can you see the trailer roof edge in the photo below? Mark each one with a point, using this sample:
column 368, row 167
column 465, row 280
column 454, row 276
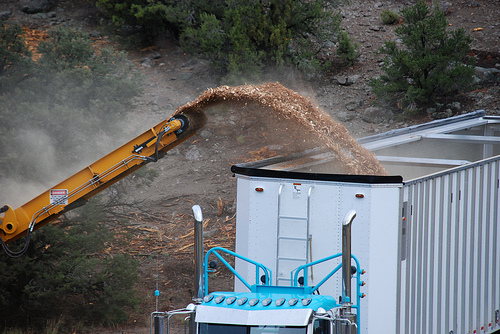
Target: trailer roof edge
column 419, row 127
column 244, row 169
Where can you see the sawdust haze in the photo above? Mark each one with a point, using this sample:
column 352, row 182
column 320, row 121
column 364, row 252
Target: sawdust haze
column 301, row 116
column 286, row 117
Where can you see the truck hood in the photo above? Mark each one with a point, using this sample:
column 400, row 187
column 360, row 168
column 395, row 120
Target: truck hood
column 285, row 317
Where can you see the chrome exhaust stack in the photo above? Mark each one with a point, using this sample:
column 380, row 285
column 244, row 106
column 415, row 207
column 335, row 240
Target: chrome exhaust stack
column 198, row 253
column 346, row 256
column 347, row 322
column 158, row 318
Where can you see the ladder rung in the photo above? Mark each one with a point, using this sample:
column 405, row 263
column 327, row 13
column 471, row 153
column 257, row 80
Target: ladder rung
column 291, row 217
column 293, row 238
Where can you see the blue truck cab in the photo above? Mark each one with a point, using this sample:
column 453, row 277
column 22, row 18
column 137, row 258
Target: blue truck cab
column 266, row 308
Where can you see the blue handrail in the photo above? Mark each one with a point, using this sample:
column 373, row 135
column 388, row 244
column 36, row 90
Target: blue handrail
column 258, row 268
column 294, row 274
column 295, row 278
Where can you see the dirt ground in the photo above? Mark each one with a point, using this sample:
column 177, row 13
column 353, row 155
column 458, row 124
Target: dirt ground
column 198, row 171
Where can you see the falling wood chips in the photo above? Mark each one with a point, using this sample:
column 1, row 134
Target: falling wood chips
column 297, row 108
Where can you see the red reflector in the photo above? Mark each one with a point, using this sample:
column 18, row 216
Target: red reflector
column 360, row 196
column 259, row 189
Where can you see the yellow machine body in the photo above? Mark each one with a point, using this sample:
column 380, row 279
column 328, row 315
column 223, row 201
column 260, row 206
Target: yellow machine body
column 78, row 188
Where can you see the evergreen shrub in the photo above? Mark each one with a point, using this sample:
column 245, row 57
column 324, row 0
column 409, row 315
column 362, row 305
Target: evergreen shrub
column 56, row 109
column 389, row 17
column 431, row 64
column 67, row 276
column 241, row 38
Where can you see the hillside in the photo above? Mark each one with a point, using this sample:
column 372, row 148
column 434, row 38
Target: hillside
column 198, row 171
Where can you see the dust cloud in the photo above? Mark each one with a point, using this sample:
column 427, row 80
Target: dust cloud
column 37, row 152
column 39, row 163
column 286, row 111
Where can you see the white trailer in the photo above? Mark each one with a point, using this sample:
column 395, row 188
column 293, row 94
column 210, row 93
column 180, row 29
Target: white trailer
column 429, row 241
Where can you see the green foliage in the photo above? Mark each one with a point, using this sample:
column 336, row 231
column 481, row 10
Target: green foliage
column 256, row 34
column 389, row 17
column 208, row 39
column 239, row 37
column 155, row 16
column 67, row 275
column 100, row 85
column 433, row 63
column 59, row 109
column 66, row 101
column 65, row 49
column 347, row 49
column 15, row 58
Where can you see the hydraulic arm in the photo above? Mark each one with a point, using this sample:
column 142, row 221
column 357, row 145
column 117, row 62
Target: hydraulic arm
column 78, row 188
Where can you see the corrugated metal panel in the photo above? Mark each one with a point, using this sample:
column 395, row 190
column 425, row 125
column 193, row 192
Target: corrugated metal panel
column 450, row 271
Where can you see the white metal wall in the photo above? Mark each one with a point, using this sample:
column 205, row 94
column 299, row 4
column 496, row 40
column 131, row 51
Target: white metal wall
column 450, row 252
column 374, row 235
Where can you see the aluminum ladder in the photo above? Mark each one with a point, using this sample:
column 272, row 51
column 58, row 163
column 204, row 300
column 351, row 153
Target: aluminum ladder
column 293, row 238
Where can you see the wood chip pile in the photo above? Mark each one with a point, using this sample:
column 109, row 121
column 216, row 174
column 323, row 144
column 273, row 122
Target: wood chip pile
column 297, row 108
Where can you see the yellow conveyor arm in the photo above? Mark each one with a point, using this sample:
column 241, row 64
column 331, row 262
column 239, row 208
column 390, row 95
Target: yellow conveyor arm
column 78, row 188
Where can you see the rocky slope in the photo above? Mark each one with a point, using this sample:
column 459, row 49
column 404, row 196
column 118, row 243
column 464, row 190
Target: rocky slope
column 198, row 171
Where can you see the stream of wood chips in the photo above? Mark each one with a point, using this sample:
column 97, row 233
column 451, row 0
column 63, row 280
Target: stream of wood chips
column 296, row 108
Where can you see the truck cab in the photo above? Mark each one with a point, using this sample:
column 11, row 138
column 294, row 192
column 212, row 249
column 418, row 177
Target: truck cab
column 266, row 308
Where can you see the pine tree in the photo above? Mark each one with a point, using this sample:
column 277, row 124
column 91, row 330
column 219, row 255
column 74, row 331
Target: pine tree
column 434, row 63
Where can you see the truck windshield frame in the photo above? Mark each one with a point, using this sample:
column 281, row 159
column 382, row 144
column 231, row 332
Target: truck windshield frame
column 205, row 328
